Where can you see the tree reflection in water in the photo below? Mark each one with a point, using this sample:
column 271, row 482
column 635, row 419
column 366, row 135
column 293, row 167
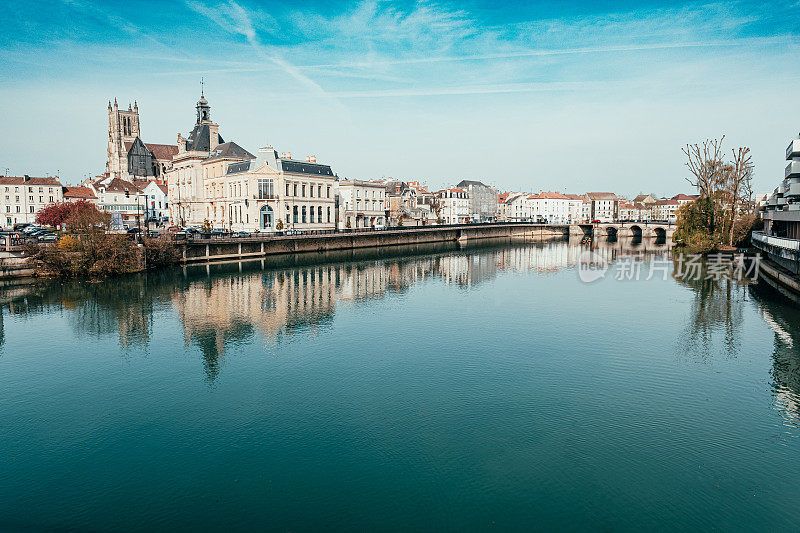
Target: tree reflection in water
column 718, row 306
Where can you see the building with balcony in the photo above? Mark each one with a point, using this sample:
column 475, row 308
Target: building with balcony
column 781, row 211
column 780, row 240
column 360, row 203
column 455, row 206
column 253, row 195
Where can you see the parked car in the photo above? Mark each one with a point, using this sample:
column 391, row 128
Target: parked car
column 49, row 237
column 293, row 232
column 133, row 231
column 21, row 225
column 152, row 233
column 379, row 226
column 240, row 235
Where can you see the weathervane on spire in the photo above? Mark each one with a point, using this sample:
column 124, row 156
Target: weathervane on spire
column 202, row 86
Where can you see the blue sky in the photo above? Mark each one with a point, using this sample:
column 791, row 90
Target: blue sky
column 524, row 95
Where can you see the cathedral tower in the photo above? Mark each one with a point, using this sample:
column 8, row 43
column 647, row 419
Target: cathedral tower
column 123, row 127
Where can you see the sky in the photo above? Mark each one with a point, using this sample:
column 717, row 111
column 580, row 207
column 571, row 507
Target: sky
column 526, row 96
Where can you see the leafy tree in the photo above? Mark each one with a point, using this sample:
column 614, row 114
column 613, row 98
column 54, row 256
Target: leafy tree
column 53, row 214
column 279, row 225
column 79, row 215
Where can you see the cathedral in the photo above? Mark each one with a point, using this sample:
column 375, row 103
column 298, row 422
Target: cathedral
column 128, row 156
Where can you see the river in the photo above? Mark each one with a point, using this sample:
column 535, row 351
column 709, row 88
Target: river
column 427, row 388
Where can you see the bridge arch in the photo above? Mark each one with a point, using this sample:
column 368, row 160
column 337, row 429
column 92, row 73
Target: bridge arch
column 636, row 231
column 660, row 232
column 611, row 232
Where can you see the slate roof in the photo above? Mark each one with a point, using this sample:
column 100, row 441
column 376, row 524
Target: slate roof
column 302, row 167
column 159, row 151
column 229, row 150
column 463, row 184
column 200, row 139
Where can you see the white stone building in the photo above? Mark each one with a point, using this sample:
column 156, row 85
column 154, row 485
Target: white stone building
column 121, row 198
column 604, row 206
column 254, row 195
column 361, row 203
column 550, row 207
column 22, row 197
column 455, row 206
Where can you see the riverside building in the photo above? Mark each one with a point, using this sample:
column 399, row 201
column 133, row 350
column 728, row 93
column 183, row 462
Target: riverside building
column 22, row 197
column 780, row 239
column 361, row 203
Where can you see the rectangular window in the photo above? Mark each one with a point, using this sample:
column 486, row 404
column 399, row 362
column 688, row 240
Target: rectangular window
column 311, row 191
column 329, row 194
column 311, row 214
column 329, row 214
column 304, row 211
column 294, row 209
column 265, row 188
column 319, row 191
column 295, row 190
column 319, row 212
column 287, row 189
column 304, row 190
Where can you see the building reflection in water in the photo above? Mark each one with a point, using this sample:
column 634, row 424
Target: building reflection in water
column 220, row 305
column 782, row 315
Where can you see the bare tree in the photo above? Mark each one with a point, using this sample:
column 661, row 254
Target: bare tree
column 436, row 207
column 727, row 185
column 739, row 189
column 705, row 164
column 708, row 173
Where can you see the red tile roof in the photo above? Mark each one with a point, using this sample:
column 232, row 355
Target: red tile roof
column 78, row 192
column 27, row 180
column 683, row 197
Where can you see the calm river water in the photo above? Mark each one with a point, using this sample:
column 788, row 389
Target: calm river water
column 437, row 388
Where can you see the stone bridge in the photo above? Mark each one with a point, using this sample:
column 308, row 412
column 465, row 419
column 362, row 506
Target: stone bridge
column 642, row 230
column 205, row 250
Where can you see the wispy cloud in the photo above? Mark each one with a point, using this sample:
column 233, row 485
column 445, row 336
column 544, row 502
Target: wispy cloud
column 235, row 19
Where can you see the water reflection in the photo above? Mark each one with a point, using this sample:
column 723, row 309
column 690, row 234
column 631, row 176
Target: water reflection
column 222, row 305
column 718, row 306
column 782, row 315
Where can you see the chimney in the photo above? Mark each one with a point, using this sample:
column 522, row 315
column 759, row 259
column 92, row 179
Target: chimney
column 26, row 178
column 213, row 131
column 308, row 159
